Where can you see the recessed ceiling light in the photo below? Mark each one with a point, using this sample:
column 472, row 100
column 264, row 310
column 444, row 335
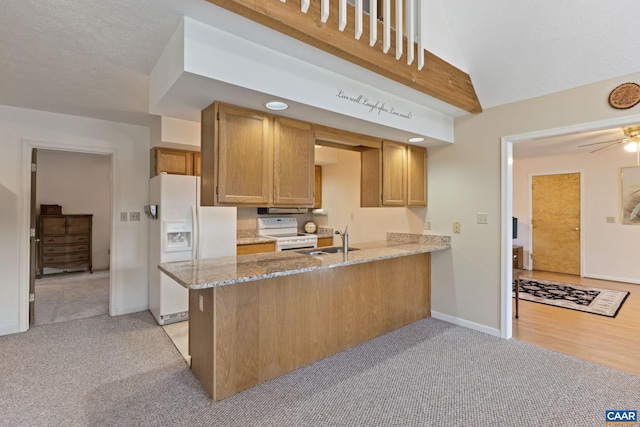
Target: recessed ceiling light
column 276, row 105
column 416, row 139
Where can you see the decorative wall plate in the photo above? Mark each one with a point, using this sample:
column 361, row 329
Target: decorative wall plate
column 625, row 96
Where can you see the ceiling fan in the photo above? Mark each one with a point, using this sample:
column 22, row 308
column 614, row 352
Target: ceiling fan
column 631, row 140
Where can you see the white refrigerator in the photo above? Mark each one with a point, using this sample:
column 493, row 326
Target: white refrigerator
column 183, row 230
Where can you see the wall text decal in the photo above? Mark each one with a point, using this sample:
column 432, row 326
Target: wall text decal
column 378, row 107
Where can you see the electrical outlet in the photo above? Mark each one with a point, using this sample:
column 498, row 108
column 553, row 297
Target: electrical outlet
column 134, row 216
column 483, row 218
column 123, row 216
column 611, row 220
column 353, row 216
column 456, row 226
column 200, row 302
column 427, row 224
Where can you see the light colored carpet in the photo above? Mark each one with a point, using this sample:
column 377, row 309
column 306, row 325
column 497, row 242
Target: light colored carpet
column 70, row 296
column 124, row 371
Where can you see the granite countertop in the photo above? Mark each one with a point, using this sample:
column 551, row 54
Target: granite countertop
column 207, row 273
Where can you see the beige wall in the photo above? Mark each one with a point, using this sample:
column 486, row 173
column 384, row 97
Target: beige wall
column 465, row 178
column 128, row 147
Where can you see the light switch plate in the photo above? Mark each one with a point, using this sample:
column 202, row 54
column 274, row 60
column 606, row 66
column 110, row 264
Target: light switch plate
column 134, row 216
column 123, row 216
column 483, row 218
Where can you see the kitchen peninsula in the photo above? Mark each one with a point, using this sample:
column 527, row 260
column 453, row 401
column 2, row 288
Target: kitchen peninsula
column 255, row 317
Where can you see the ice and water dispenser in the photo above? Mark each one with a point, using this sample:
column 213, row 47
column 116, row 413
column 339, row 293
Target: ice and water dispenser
column 177, row 236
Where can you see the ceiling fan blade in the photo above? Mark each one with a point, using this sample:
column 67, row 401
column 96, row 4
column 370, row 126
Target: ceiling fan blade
column 607, row 146
column 601, row 142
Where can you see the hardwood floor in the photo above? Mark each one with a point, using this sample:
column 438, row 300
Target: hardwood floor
column 612, row 342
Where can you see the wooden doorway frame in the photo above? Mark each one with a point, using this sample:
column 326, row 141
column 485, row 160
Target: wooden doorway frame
column 25, row 220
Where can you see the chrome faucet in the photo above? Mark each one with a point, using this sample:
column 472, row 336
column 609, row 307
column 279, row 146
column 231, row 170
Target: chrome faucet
column 345, row 239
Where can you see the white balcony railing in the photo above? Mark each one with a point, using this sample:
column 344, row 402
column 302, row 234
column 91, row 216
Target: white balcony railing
column 409, row 15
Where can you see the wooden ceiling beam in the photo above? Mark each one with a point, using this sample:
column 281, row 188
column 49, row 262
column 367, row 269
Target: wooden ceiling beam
column 438, row 78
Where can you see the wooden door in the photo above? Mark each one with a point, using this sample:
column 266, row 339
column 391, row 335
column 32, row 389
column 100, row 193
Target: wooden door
column 33, row 239
column 416, row 176
column 555, row 223
column 293, row 170
column 244, row 157
column 394, row 174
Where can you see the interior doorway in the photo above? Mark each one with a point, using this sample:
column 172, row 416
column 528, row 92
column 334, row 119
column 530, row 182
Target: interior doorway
column 73, row 262
column 555, row 223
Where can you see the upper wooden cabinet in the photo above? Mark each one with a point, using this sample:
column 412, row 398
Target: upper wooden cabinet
column 416, row 176
column 172, row 161
column 384, row 175
column 394, row 175
column 244, row 156
column 293, row 159
column 250, row 158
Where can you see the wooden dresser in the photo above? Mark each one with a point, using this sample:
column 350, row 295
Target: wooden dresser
column 65, row 242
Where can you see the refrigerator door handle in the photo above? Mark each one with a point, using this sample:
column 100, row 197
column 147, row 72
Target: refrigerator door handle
column 196, row 233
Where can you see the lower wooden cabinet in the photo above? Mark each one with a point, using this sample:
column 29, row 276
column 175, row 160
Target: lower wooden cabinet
column 255, row 248
column 325, row 241
column 64, row 242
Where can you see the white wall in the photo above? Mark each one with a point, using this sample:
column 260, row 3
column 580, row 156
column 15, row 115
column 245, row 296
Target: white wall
column 341, row 198
column 465, row 178
column 609, row 249
column 128, row 145
column 81, row 184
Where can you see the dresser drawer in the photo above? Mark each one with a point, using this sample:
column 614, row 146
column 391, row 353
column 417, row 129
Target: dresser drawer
column 64, row 258
column 65, row 249
column 62, row 240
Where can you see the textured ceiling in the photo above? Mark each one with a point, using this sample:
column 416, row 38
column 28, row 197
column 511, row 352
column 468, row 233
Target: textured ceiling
column 93, row 57
column 517, row 50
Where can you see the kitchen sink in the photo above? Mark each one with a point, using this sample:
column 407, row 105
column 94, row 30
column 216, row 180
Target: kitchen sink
column 324, row 251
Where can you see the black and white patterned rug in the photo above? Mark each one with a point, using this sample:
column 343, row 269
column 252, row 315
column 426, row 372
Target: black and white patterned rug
column 606, row 302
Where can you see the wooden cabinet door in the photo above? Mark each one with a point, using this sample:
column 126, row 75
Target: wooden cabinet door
column 78, row 224
column 394, row 174
column 371, row 178
column 53, row 225
column 197, row 161
column 294, row 169
column 317, row 188
column 416, row 176
column 244, row 157
column 177, row 162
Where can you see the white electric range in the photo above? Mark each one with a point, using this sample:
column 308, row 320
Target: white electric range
column 285, row 232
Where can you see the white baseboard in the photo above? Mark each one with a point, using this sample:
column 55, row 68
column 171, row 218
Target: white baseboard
column 13, row 329
column 612, row 279
column 129, row 310
column 465, row 323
